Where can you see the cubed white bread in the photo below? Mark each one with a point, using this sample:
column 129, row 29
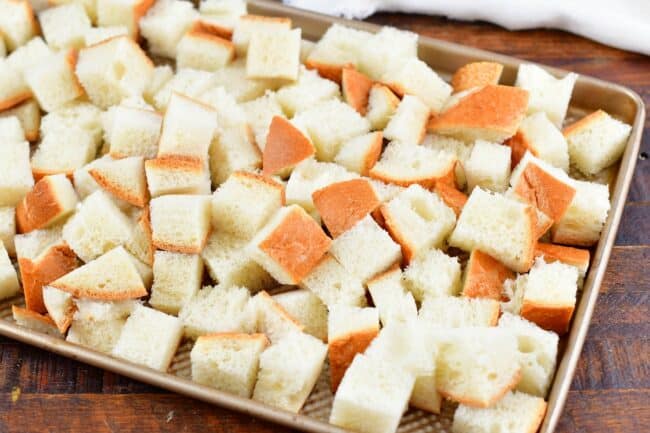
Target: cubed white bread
column 27, row 55
column 141, row 245
column 95, row 35
column 501, row 227
column 307, row 309
column 230, row 264
column 285, row 147
column 11, row 130
column 15, row 172
column 244, row 203
column 547, row 93
column 259, row 114
column 203, row 50
column 484, row 276
column 372, row 396
column 248, row 25
column 407, row 163
column 274, row 55
column 431, row 274
column 124, row 179
column 458, row 312
column 272, row 319
column 349, row 331
column 173, row 174
column 113, row 70
column 180, row 223
column 488, row 166
column 100, row 335
column 9, row 285
column 476, row 74
column 132, row 131
column 122, row 13
column 8, row 228
column 28, row 114
column 408, row 123
column 223, row 9
column 84, row 184
column 334, row 285
column 62, row 151
column 549, row 295
column 17, row 22
column 228, row 362
column 161, row 75
column 289, row 370
column 516, row 412
column 391, row 297
column 456, row 147
column 415, row 77
column 165, row 24
column 382, row 104
column 229, row 112
column 176, row 279
column 150, row 338
column 32, row 245
column 233, row 78
column 64, row 26
column 513, row 294
column 233, row 149
column 539, row 136
column 35, row 321
column 144, row 270
column 60, row 307
column 359, row 154
column 537, row 353
column 90, row 6
column 577, row 257
column 585, row 218
column 97, row 227
column 355, row 87
column 290, row 245
column 51, row 201
column 338, row 48
column 385, row 49
column 217, row 309
column 75, row 115
column 596, row 141
column 190, row 82
column 14, row 89
column 89, row 309
column 418, row 220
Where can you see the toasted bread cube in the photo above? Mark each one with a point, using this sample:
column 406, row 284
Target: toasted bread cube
column 360, row 154
column 177, row 175
column 361, row 402
column 290, row 245
column 122, row 13
column 14, row 89
column 205, row 51
column 356, row 89
column 488, row 166
column 60, row 307
column 596, row 141
column 17, row 22
column 338, row 48
column 233, row 79
column 95, row 35
column 52, row 200
column 476, row 74
column 385, row 49
column 132, row 131
column 15, row 173
column 100, row 335
column 459, row 312
column 165, row 24
column 501, row 227
column 539, row 136
column 64, row 26
column 382, row 103
column 391, row 297
column 8, row 228
column 431, row 274
column 408, row 123
column 113, row 70
column 272, row 319
column 285, row 147
column 180, row 223
column 28, row 114
column 228, row 362
column 414, row 77
column 217, row 309
column 485, row 276
column 547, row 93
column 248, row 25
column 62, row 151
column 559, row 253
column 260, row 113
column 176, row 279
column 289, row 370
column 9, row 285
column 308, row 91
column 307, row 309
column 35, row 321
column 274, row 55
column 334, row 285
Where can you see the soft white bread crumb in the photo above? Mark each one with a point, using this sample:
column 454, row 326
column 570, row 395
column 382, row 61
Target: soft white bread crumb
column 60, row 307
column 339, row 47
column 272, row 319
column 64, row 26
column 17, row 22
column 217, row 309
column 35, row 321
column 180, row 223
column 248, row 25
column 165, row 24
column 372, row 396
column 233, row 78
column 408, row 123
column 228, row 362
column 160, row 76
column 459, row 148
column 288, row 371
column 189, row 82
column 79, row 115
column 176, row 278
column 233, row 149
column 14, row 89
column 389, row 294
column 11, row 130
column 382, row 104
column 50, row 201
column 274, row 55
column 95, row 35
column 205, row 51
column 90, row 309
column 32, row 245
column 360, row 153
column 62, row 150
column 387, row 48
column 502, row 227
column 27, row 55
column 458, row 312
column 229, row 113
column 432, row 274
column 99, row 335
column 259, row 114
column 173, row 174
column 122, row 13
column 8, row 228
column 547, row 93
column 306, row 308
column 488, row 166
column 124, row 179
column 28, row 114
column 308, row 91
column 334, row 285
column 9, row 285
column 225, row 11
column 15, row 172
column 132, row 131
column 538, row 135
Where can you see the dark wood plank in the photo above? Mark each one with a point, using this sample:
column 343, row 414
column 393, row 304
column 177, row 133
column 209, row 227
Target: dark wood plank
column 635, row 224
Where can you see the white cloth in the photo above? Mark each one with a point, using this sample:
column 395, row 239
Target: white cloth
column 620, row 23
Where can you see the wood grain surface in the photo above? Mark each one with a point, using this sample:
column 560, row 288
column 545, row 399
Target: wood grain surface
column 41, row 392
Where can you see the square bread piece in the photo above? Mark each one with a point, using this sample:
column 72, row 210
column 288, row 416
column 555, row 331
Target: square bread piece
column 15, row 172
column 53, row 80
column 51, row 200
column 382, row 103
column 203, row 50
column 180, row 223
column 308, row 91
column 361, row 153
column 539, row 136
column 289, row 370
column 35, row 321
column 418, row 220
column 8, row 228
column 62, row 150
column 60, row 307
column 272, row 319
column 123, row 13
column 451, row 145
column 488, row 166
column 596, row 141
column 228, row 362
column 64, row 26
column 177, row 174
column 547, row 93
column 79, row 115
column 391, row 298
column 408, row 123
column 476, row 74
column 11, row 130
column 17, row 22
column 233, row 149
column 9, row 285
column 386, row 48
column 577, row 257
column 176, row 279
column 366, row 249
column 28, row 114
column 458, row 312
column 248, row 25
column 274, row 55
column 165, row 24
column 290, row 245
column 432, row 273
column 150, row 338
column 285, row 146
column 499, row 226
column 307, row 309
column 14, row 89
column 484, row 276
column 362, row 402
column 334, row 285
column 131, row 131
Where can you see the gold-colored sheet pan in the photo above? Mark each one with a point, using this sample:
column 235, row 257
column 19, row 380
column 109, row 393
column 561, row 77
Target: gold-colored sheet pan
column 444, row 57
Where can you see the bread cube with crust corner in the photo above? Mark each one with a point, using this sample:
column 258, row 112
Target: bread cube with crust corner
column 459, row 148
column 62, row 150
column 60, row 307
column 180, row 223
column 488, row 166
column 34, row 244
column 50, row 201
column 35, row 321
column 173, row 174
column 272, row 319
column 260, row 113
column 459, row 312
column 164, row 25
column 356, row 87
column 100, row 335
column 289, row 245
column 233, row 78
column 9, row 285
column 248, row 25
column 484, row 276
column 131, row 131
column 432, row 273
column 418, row 220
column 408, row 123
column 285, row 147
column 350, row 330
column 289, row 370
column 14, row 89
column 203, row 50
column 11, row 130
column 90, row 309
column 17, row 22
column 307, row 309
column 28, row 114
column 228, row 362
column 244, row 203
column 95, row 35
column 359, row 154
column 84, row 184
column 391, row 297
column 406, row 164
column 596, row 141
column 274, row 55
column 124, row 179
column 64, row 26
column 361, row 402
column 539, row 136
column 176, row 278
column 15, row 172
column 123, row 13
column 516, row 412
column 334, row 285
column 544, row 222
column 309, row 90
column 549, row 295
column 476, row 74
column 499, row 226
column 217, row 309
column 113, row 70
column 585, row 218
column 547, row 93
column 192, row 83
column 141, row 245
column 385, row 49
column 537, row 353
column 8, row 228
column 577, row 257
column 382, row 104
column 468, row 119
column 451, row 196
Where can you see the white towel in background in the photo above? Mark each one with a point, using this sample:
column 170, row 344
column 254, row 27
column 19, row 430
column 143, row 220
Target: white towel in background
column 620, row 23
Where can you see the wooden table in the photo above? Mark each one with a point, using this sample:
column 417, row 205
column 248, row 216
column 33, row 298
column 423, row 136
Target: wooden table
column 41, row 392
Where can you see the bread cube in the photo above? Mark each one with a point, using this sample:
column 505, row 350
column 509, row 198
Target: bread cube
column 382, row 103
column 50, row 201
column 233, row 149
column 192, row 83
column 260, row 113
column 274, row 55
column 77, row 115
column 95, row 35
column 456, row 147
column 485, row 276
column 203, row 50
column 14, row 89
column 60, row 307
column 385, row 49
column 361, row 402
column 488, row 166
column 356, row 89
column 501, row 227
column 100, row 335
column 307, row 309
column 233, row 78
column 248, row 25
column 62, row 151
column 459, row 312
column 547, row 93
column 415, row 77
column 222, row 14
column 176, row 279
column 217, row 309
column 432, row 273
column 228, row 362
column 8, row 228
column 124, row 179
column 173, row 174
column 476, row 74
column 360, row 154
column 35, row 321
column 285, row 147
column 391, row 297
column 28, row 114
column 64, row 26
column 338, row 48
column 165, row 24
column 17, row 22
column 11, row 130
column 577, row 257
column 229, row 113
column 15, row 173
column 141, row 245
column 539, row 136
column 132, row 131
column 29, row 54
column 122, row 13
column 272, row 319
column 452, row 197
column 334, row 285
column 408, row 123
column 308, row 91
column 180, row 223
column 9, row 285
column 89, row 309
column 289, row 370
column 113, row 70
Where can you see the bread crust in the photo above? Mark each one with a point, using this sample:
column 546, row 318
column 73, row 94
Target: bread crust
column 32, row 315
column 447, row 175
column 285, row 147
column 279, row 309
column 139, row 10
column 139, row 200
column 470, row 401
column 519, row 145
column 484, row 277
column 328, row 70
column 204, row 26
column 393, row 227
column 145, row 223
column 577, row 257
column 554, row 318
column 15, row 100
column 452, row 197
column 176, row 248
column 356, row 89
column 544, row 191
column 88, row 292
column 235, row 336
column 476, row 74
column 341, row 352
column 583, row 123
column 38, row 208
